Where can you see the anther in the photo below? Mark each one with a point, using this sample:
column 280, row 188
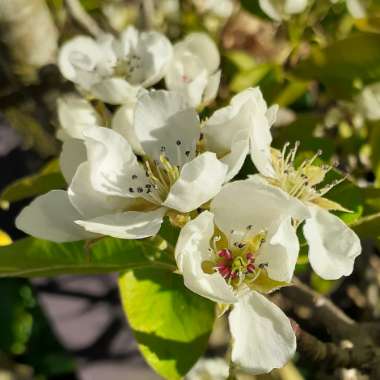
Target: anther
column 134, row 176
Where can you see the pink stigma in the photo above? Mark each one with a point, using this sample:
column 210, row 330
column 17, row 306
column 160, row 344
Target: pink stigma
column 225, row 253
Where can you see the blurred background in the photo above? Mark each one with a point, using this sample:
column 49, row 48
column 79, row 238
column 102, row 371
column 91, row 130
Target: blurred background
column 73, row 327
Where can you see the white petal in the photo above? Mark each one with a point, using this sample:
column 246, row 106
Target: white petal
column 261, row 138
column 51, row 217
column 74, row 114
column 333, row 246
column 221, row 128
column 271, row 114
column 126, row 225
column 202, row 46
column 368, row 101
column 200, row 180
column 251, row 202
column 78, row 59
column 114, row 167
column 194, row 89
column 159, row 52
column 188, row 75
column 262, row 334
column 89, row 202
column 115, row 91
column 245, row 118
column 123, row 123
column 72, row 155
column 280, row 251
column 357, row 8
column 235, row 159
column 212, row 88
column 191, row 250
column 272, row 10
column 164, row 120
column 153, row 50
column 295, row 6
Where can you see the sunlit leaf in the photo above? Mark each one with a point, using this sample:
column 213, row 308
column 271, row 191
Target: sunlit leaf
column 39, row 258
column 170, row 323
column 47, row 179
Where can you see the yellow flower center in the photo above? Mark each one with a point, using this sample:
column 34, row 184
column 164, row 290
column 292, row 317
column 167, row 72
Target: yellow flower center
column 234, row 260
column 301, row 182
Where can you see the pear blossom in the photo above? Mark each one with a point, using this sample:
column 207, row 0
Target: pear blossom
column 220, row 8
column 205, row 369
column 282, row 9
column 113, row 192
column 368, row 101
column 115, row 70
column 193, row 69
column 333, row 246
column 357, row 8
column 232, row 131
column 234, row 254
column 74, row 114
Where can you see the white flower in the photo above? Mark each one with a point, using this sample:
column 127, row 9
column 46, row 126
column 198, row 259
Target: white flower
column 237, row 251
column 282, row 9
column 193, row 70
column 231, row 131
column 220, row 8
column 357, row 8
column 368, row 101
column 113, row 193
column 115, row 70
column 206, row 369
column 333, row 246
column 74, row 114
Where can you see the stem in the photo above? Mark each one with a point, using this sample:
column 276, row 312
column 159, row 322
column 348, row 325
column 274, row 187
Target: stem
column 148, row 14
column 79, row 14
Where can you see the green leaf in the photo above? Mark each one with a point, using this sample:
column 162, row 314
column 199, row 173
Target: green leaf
column 240, row 59
column 345, row 65
column 302, row 129
column 323, row 286
column 171, row 324
column 348, row 195
column 33, row 134
column 249, row 78
column 47, row 179
column 293, row 91
column 368, row 227
column 371, row 196
column 39, row 258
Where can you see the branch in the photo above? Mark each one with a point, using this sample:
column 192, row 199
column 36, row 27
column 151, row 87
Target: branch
column 79, row 14
column 334, row 356
column 327, row 313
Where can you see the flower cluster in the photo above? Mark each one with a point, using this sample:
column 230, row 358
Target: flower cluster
column 283, row 9
column 154, row 158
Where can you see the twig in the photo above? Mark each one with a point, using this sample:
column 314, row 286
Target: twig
column 148, row 14
column 83, row 18
column 332, row 355
column 332, row 317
